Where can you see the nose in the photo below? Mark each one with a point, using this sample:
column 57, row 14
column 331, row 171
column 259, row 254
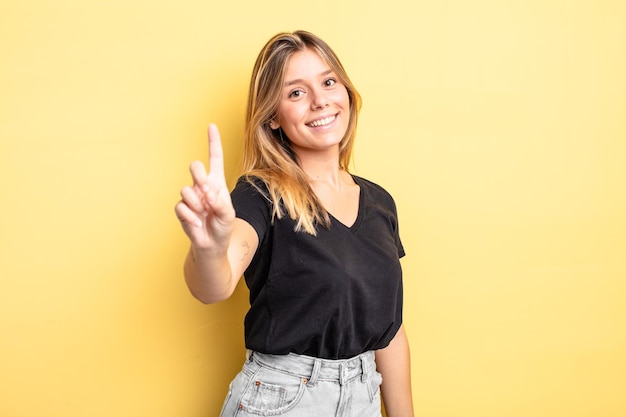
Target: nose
column 319, row 99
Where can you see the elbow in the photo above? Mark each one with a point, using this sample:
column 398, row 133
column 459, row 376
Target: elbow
column 210, row 298
column 205, row 292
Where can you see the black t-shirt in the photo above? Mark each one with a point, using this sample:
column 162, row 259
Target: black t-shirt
column 332, row 296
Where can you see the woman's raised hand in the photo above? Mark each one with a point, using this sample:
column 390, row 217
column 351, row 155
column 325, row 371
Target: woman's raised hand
column 206, row 212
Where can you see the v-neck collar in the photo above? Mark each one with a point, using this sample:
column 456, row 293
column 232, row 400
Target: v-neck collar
column 355, row 225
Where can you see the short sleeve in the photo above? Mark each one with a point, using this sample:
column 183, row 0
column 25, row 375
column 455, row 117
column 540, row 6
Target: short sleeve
column 252, row 204
column 396, row 231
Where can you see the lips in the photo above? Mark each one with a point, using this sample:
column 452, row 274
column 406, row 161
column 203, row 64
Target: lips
column 322, row 122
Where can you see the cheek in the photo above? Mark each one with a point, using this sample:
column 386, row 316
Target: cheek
column 291, row 114
column 343, row 98
column 284, row 110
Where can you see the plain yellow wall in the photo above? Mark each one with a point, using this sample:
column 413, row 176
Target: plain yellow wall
column 499, row 127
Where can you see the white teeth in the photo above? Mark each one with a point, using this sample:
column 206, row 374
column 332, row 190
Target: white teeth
column 322, row 122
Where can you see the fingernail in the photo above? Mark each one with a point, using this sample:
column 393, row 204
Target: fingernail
column 197, row 223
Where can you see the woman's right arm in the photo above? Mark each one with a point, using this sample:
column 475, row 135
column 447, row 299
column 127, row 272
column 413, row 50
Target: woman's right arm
column 222, row 245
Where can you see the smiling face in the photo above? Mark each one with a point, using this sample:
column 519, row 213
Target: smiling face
column 314, row 107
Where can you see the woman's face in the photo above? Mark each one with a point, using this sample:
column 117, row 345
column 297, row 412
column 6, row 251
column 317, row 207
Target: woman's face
column 314, row 107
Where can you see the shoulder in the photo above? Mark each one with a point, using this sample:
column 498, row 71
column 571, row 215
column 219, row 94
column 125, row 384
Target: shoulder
column 372, row 187
column 250, row 182
column 251, row 186
column 251, row 201
column 251, row 193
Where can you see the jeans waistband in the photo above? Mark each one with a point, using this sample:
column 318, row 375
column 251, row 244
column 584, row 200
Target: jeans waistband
column 315, row 369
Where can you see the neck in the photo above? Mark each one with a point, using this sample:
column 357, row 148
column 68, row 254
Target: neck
column 323, row 171
column 322, row 167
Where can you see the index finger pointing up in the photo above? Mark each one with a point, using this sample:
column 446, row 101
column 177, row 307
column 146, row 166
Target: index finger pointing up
column 216, row 154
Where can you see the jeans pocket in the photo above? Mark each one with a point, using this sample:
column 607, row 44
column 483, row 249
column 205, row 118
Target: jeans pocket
column 272, row 393
column 373, row 385
column 228, row 396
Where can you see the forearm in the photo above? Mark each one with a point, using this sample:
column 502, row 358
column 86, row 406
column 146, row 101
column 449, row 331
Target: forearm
column 394, row 364
column 208, row 275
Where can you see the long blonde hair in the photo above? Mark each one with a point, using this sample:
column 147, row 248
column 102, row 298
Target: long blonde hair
column 267, row 155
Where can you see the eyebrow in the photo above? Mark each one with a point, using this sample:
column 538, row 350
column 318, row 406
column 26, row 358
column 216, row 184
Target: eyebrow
column 299, row 80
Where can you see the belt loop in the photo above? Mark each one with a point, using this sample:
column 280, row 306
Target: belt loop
column 364, row 370
column 315, row 373
column 342, row 373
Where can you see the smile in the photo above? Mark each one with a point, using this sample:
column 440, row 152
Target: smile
column 322, row 122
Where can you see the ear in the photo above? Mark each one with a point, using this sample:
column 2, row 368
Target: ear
column 274, row 125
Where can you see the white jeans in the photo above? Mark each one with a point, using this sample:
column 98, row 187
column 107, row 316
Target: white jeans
column 302, row 386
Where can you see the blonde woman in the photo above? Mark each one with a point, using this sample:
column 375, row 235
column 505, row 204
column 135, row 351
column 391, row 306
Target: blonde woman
column 318, row 247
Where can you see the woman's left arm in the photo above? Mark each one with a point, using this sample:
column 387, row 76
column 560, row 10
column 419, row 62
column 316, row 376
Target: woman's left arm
column 394, row 364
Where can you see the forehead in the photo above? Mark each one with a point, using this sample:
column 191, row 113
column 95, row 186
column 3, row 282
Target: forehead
column 304, row 64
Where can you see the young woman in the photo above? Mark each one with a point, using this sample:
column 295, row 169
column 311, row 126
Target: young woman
column 319, row 247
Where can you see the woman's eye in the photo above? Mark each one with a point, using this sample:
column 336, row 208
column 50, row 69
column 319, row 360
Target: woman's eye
column 295, row 94
column 330, row 82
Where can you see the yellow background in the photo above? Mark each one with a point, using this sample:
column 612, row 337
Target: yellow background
column 499, row 127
